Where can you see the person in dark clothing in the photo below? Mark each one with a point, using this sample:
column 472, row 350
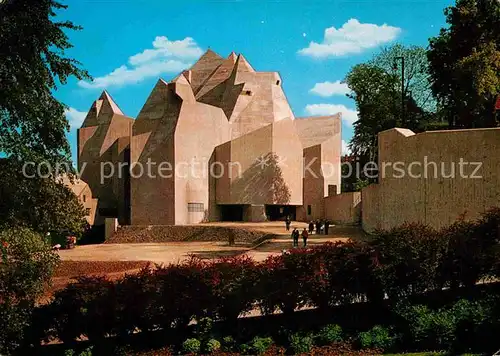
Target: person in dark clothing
column 295, row 237
column 318, row 227
column 327, row 225
column 311, row 227
column 305, row 235
column 287, row 223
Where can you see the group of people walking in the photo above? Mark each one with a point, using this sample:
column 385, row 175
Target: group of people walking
column 319, row 225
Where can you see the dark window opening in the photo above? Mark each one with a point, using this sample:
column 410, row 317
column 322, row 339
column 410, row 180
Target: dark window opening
column 309, row 210
column 87, row 212
column 280, row 212
column 231, row 212
column 248, row 92
column 277, row 82
column 84, row 198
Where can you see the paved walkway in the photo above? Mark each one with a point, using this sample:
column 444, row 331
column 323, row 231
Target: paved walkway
column 172, row 252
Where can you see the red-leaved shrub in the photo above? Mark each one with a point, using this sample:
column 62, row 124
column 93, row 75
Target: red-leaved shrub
column 408, row 259
column 232, row 284
column 85, row 308
column 281, row 282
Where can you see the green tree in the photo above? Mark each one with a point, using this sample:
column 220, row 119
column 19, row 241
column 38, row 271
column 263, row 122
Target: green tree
column 33, row 125
column 465, row 63
column 26, row 267
column 42, row 204
column 378, row 91
column 417, row 84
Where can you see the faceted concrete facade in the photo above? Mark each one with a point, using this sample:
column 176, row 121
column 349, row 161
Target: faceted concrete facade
column 103, row 141
column 219, row 138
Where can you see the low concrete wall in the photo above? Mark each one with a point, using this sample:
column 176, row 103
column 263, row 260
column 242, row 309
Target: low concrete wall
column 344, row 208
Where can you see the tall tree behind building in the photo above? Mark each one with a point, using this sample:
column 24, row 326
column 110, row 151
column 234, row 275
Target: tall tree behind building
column 465, row 63
column 379, row 92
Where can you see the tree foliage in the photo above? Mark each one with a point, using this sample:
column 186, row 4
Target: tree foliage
column 377, row 89
column 33, row 125
column 42, row 204
column 417, row 79
column 465, row 63
column 27, row 265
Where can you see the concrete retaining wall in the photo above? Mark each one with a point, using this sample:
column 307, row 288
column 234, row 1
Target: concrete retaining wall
column 344, row 208
column 425, row 187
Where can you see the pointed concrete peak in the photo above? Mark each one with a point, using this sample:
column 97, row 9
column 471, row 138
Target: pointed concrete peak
column 232, row 57
column 181, row 79
column 161, row 81
column 210, row 53
column 208, row 56
column 106, row 97
column 242, row 64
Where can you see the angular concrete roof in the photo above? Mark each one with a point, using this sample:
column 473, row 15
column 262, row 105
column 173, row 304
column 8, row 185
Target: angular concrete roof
column 315, row 130
column 102, row 110
column 107, row 100
column 203, row 68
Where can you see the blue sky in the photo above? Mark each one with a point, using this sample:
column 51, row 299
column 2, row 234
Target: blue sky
column 126, row 45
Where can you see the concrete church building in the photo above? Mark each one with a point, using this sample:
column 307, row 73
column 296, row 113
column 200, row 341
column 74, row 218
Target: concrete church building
column 220, row 142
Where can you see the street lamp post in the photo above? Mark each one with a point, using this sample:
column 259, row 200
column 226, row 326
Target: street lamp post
column 402, row 59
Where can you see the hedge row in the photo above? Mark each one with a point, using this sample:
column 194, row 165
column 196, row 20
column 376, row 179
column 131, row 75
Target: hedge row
column 405, row 261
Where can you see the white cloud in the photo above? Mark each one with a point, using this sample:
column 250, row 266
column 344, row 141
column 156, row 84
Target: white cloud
column 326, row 89
column 349, row 116
column 164, row 48
column 165, row 57
column 353, row 37
column 75, row 117
column 345, row 148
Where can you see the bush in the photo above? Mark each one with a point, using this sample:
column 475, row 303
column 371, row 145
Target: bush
column 376, row 338
column 407, row 259
column 137, row 305
column 245, row 349
column 183, row 292
column 27, row 263
column 85, row 307
column 228, row 344
column 280, row 282
column 191, row 346
column 472, row 251
column 86, row 352
column 260, row 345
column 330, row 334
column 300, row 344
column 204, row 328
column 451, row 328
column 212, row 345
column 341, row 272
column 231, row 281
